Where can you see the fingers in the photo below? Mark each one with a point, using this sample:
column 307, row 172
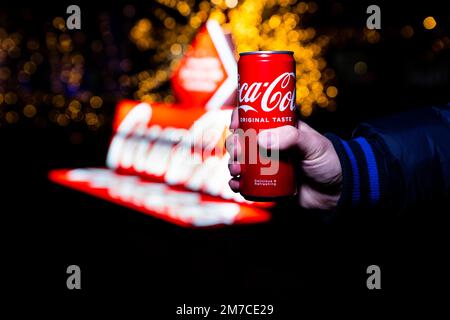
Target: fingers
column 305, row 138
column 310, row 142
column 235, row 169
column 234, row 184
column 232, row 142
column 234, row 149
column 234, row 124
column 233, row 146
column 281, row 138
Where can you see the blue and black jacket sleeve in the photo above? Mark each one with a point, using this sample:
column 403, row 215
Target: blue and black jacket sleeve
column 398, row 161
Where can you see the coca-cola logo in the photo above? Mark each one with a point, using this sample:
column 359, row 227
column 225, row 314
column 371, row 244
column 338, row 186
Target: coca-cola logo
column 194, row 158
column 271, row 94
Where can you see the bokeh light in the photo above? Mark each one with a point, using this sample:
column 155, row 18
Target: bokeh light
column 254, row 25
column 332, row 91
column 429, row 23
column 407, row 31
column 360, row 68
column 88, row 72
column 29, row 111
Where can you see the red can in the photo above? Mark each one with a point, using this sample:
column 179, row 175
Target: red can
column 266, row 100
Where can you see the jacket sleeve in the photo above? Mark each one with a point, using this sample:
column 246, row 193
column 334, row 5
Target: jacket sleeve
column 397, row 162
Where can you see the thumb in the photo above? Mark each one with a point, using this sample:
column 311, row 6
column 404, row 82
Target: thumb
column 303, row 137
column 310, row 142
column 280, row 138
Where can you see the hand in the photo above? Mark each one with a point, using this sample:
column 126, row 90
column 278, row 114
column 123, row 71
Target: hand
column 321, row 173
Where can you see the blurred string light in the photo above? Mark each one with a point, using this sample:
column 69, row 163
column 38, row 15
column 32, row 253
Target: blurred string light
column 254, row 25
column 69, row 102
column 165, row 35
column 371, row 36
column 62, row 100
column 281, row 29
column 429, row 23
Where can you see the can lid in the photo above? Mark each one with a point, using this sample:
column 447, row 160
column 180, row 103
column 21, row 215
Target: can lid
column 265, row 52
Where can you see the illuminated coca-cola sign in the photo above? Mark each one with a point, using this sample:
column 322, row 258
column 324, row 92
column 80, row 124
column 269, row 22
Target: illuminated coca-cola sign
column 192, row 157
column 169, row 160
column 164, row 163
column 206, row 75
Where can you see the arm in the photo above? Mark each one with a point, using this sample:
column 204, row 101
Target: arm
column 394, row 162
column 397, row 161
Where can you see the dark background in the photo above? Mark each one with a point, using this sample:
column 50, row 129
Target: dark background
column 287, row 262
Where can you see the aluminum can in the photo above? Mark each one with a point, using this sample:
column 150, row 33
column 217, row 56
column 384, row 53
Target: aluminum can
column 266, row 89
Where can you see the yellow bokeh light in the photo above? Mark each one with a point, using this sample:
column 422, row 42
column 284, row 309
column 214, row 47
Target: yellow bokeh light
column 372, row 36
column 302, row 7
column 161, row 75
column 96, row 102
column 141, row 34
column 253, row 29
column 332, row 91
column 274, row 21
column 195, row 22
column 59, row 23
column 29, row 67
column 429, row 23
column 91, row 119
column 63, row 120
column 360, row 68
column 176, row 49
column 12, row 117
column 231, row 3
column 58, row 101
column 169, row 23
column 183, row 8
column 306, row 111
column 253, row 25
column 10, row 98
column 75, row 105
column 29, row 111
column 312, row 7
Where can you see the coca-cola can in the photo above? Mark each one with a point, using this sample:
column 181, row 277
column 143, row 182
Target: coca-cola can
column 266, row 100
